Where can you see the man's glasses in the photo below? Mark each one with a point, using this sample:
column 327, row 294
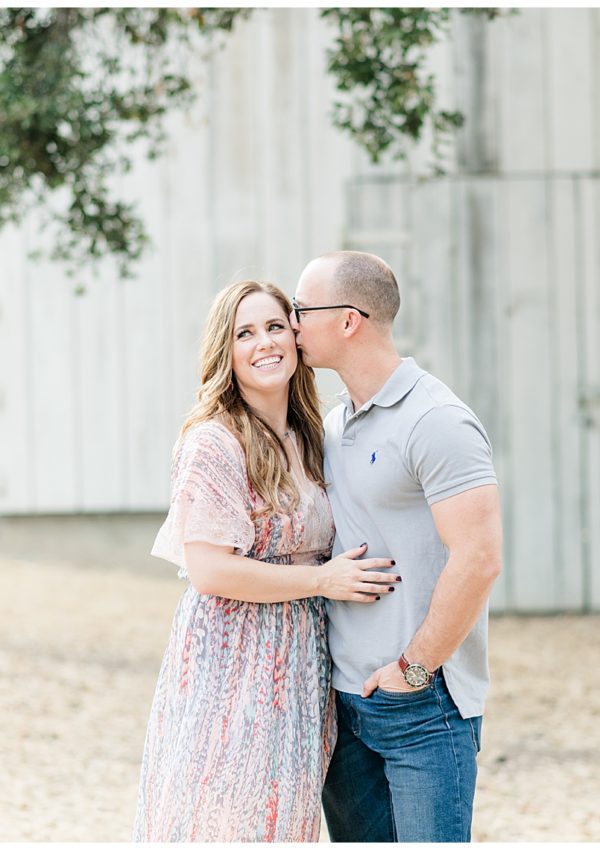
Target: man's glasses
column 298, row 310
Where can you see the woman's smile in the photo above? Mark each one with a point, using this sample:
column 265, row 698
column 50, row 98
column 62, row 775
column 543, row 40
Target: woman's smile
column 268, row 363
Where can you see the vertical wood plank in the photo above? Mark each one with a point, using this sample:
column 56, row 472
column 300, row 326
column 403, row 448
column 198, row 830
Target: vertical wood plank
column 461, row 308
column 17, row 449
column 433, row 250
column 480, row 330
column 483, row 298
column 564, row 424
column 237, row 152
column 568, row 90
column 98, row 400
column 54, row 380
column 593, row 39
column 281, row 163
column 328, row 153
column 440, row 63
column 379, row 223
column 589, row 398
column 188, row 277
column 144, row 336
column 527, row 360
column 510, row 500
column 476, row 71
column 522, row 117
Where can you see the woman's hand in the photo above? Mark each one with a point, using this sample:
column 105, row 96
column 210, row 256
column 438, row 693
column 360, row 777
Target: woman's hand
column 347, row 579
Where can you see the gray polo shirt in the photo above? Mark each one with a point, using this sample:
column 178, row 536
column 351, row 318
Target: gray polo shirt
column 413, row 444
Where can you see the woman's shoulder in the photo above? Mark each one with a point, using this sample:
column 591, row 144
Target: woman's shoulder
column 211, row 435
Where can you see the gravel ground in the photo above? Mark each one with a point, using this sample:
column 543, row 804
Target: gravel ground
column 79, row 655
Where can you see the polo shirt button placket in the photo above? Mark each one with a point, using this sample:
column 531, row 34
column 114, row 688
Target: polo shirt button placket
column 348, row 434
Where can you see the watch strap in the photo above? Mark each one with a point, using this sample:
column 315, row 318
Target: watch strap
column 404, row 664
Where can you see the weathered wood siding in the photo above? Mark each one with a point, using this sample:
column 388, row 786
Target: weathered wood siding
column 498, row 263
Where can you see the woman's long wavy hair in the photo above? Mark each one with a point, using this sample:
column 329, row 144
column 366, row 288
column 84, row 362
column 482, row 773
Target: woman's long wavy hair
column 219, row 398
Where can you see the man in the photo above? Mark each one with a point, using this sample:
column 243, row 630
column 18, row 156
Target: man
column 410, row 471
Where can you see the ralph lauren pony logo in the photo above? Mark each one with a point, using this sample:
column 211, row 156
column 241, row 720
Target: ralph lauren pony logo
column 374, row 457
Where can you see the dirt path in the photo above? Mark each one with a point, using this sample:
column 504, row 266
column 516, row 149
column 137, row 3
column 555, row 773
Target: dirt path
column 79, row 655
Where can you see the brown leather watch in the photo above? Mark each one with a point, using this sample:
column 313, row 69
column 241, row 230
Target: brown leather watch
column 415, row 675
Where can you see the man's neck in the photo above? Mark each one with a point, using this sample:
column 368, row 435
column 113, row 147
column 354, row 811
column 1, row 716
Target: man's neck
column 365, row 377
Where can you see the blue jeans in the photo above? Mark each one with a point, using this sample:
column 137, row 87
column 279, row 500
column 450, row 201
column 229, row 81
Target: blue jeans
column 403, row 769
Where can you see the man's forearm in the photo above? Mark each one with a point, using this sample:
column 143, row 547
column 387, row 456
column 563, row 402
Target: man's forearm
column 458, row 599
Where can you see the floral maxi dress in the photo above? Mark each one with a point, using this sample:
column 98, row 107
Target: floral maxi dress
column 242, row 725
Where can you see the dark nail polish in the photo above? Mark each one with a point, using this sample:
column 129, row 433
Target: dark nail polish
column 378, row 597
column 393, row 563
column 362, row 544
column 398, row 578
column 391, row 589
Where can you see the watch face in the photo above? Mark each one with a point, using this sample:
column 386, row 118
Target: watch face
column 416, row 675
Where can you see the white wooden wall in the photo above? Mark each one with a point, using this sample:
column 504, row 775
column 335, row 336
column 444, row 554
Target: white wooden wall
column 498, row 264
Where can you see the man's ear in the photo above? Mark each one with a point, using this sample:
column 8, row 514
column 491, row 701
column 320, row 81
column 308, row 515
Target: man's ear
column 352, row 323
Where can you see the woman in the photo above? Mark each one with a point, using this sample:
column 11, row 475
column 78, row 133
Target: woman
column 242, row 725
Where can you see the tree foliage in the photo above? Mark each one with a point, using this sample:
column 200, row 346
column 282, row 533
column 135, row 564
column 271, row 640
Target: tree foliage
column 379, row 63
column 79, row 86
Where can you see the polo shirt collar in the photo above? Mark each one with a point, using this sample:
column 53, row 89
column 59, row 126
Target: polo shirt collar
column 399, row 384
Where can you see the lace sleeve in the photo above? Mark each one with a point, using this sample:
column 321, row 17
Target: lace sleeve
column 210, row 501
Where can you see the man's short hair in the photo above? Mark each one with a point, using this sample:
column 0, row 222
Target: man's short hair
column 365, row 281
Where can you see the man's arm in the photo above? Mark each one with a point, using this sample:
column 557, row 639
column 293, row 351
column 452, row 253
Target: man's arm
column 469, row 526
